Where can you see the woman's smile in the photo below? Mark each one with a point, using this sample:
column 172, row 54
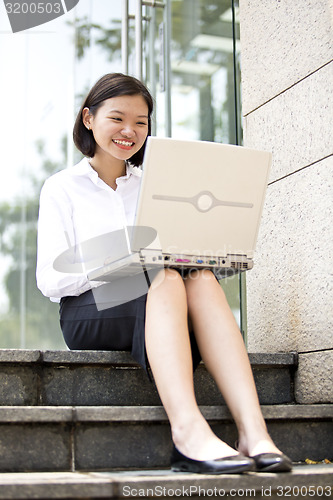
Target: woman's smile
column 123, row 144
column 120, row 128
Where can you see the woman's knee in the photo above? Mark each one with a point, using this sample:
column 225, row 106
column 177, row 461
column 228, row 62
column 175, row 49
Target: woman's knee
column 169, row 278
column 200, row 283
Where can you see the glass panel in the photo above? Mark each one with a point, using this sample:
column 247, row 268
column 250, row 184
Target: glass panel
column 36, row 94
column 205, row 84
column 44, row 75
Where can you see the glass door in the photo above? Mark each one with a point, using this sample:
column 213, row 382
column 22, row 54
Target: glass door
column 187, row 52
column 205, row 89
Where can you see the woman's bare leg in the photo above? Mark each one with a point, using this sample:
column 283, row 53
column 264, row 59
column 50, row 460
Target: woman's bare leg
column 169, row 353
column 224, row 354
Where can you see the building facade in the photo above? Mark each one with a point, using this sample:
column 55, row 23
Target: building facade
column 287, row 99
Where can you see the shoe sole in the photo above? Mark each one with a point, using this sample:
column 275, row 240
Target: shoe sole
column 196, row 470
column 274, row 468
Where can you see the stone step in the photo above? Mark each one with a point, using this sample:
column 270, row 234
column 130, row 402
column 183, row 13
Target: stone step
column 305, row 481
column 92, row 378
column 66, row 438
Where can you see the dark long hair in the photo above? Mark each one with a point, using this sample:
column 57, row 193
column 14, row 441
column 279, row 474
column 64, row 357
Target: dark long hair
column 110, row 85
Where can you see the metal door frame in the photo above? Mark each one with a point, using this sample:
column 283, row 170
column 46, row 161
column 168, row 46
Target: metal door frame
column 165, row 66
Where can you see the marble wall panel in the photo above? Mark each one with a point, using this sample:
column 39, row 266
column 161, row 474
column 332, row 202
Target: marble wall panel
column 314, row 378
column 282, row 42
column 296, row 126
column 289, row 290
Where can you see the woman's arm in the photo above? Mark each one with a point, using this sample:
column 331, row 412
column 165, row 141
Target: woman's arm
column 56, row 236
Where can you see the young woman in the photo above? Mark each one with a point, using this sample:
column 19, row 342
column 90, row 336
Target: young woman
column 98, row 196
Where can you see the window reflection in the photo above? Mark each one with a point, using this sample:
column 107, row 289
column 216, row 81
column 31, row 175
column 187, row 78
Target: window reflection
column 202, row 66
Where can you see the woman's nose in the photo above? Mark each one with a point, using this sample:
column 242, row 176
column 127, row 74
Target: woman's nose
column 128, row 131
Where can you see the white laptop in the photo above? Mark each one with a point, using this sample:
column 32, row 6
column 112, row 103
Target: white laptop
column 199, row 206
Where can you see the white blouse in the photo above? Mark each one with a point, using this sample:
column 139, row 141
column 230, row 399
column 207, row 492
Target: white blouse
column 76, row 206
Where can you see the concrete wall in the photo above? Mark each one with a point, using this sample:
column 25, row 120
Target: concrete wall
column 287, row 95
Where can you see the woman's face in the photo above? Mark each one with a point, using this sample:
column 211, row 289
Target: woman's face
column 120, row 126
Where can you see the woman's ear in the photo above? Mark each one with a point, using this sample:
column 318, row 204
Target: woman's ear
column 86, row 118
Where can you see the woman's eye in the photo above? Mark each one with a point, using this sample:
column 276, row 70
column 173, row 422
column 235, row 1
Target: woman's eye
column 116, row 118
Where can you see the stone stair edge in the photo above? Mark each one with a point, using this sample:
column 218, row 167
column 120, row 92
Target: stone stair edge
column 121, row 484
column 26, row 356
column 125, row 414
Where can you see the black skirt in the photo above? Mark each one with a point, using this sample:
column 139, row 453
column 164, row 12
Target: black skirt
column 116, row 328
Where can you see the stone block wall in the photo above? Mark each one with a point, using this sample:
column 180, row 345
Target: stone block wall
column 287, row 99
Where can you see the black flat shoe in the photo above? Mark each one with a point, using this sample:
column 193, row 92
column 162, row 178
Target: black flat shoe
column 227, row 465
column 272, row 462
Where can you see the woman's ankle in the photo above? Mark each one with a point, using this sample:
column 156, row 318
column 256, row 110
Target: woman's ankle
column 253, row 437
column 256, row 443
column 199, row 442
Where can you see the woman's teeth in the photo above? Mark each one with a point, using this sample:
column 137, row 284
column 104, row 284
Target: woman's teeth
column 123, row 143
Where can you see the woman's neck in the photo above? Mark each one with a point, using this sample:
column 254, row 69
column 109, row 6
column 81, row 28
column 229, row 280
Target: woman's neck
column 108, row 169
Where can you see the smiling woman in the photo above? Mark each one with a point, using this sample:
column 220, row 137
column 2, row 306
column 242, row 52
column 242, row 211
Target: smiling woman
column 177, row 320
column 96, row 197
column 107, row 88
column 119, row 127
